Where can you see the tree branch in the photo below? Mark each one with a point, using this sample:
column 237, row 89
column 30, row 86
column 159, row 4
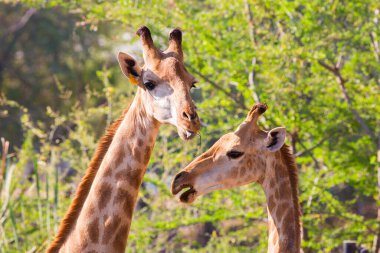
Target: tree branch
column 307, row 150
column 4, row 153
column 342, row 83
column 251, row 81
column 13, row 29
column 377, row 239
column 21, row 23
column 252, row 33
column 375, row 44
column 251, row 24
column 217, row 86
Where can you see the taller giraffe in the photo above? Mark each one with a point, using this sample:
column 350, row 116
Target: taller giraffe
column 100, row 215
column 251, row 155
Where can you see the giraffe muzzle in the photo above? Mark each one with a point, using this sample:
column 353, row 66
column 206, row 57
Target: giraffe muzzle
column 181, row 184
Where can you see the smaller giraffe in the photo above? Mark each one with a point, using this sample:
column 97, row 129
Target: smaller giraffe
column 251, row 155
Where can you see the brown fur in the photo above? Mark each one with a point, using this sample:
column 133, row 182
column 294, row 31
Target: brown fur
column 90, row 211
column 93, row 231
column 288, row 159
column 271, row 204
column 135, row 178
column 129, row 204
column 122, row 175
column 147, row 154
column 119, row 155
column 136, row 154
column 108, row 172
column 112, row 223
column 104, row 192
column 83, row 189
column 121, row 239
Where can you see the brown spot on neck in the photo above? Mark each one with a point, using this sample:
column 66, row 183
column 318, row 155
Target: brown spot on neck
column 147, row 153
column 140, row 143
column 93, row 230
column 131, row 176
column 126, row 201
column 111, row 225
column 107, row 172
column 137, row 154
column 103, row 191
column 120, row 241
column 90, row 211
column 119, row 156
column 143, row 131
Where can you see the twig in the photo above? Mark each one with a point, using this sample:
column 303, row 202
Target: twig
column 377, row 238
column 317, row 178
column 251, row 81
column 311, row 155
column 303, row 152
column 21, row 23
column 5, row 145
column 13, row 29
column 375, row 44
column 342, row 83
column 214, row 84
column 251, row 24
column 252, row 33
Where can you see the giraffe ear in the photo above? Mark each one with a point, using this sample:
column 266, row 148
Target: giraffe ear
column 130, row 68
column 275, row 139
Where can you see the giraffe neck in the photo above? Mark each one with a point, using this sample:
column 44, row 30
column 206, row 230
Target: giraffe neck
column 105, row 219
column 283, row 214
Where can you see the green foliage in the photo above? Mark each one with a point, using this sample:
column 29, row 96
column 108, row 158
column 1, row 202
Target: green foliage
column 69, row 71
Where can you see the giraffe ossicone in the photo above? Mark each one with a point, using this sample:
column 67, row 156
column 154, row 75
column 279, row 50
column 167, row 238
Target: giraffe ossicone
column 251, row 155
column 99, row 218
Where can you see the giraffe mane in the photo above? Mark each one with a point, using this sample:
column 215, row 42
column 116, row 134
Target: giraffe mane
column 83, row 189
column 288, row 159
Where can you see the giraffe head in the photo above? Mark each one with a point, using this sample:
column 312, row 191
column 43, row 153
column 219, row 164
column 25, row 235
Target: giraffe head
column 236, row 159
column 164, row 83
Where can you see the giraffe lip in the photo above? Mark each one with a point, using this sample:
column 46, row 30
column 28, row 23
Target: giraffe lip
column 178, row 188
column 186, row 134
column 188, row 196
column 189, row 134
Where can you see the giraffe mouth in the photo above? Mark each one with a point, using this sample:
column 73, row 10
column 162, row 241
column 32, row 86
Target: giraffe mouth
column 188, row 194
column 186, row 134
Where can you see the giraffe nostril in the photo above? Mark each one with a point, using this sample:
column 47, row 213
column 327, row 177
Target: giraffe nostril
column 185, row 115
column 178, row 176
column 189, row 115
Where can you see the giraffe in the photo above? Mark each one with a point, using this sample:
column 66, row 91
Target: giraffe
column 99, row 217
column 251, row 155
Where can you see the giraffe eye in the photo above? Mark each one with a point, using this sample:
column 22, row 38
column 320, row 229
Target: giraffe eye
column 233, row 154
column 149, row 85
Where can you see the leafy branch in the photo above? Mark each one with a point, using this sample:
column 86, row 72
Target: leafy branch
column 217, row 86
column 336, row 70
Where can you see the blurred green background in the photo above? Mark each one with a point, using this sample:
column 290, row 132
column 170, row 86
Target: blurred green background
column 315, row 63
